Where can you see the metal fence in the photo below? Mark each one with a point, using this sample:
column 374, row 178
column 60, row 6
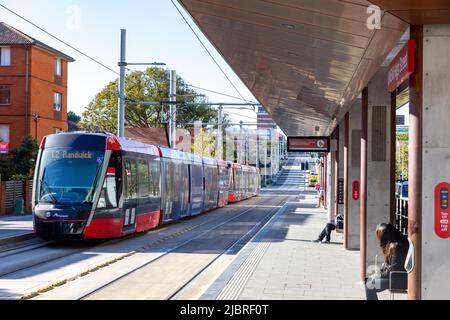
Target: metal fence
column 14, row 191
column 401, row 215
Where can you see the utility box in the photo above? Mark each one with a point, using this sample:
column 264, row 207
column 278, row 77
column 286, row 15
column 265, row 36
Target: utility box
column 18, row 206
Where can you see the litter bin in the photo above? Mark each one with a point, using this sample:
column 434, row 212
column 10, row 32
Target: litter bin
column 18, row 206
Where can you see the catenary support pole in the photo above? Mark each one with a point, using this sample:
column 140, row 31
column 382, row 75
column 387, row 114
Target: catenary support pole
column 173, row 108
column 220, row 134
column 122, row 65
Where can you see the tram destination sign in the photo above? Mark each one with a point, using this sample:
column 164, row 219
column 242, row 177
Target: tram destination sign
column 402, row 66
column 308, row 144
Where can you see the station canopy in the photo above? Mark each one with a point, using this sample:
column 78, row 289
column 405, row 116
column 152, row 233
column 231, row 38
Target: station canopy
column 306, row 61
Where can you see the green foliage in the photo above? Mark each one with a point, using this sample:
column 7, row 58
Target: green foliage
column 7, row 168
column 19, row 177
column 72, row 116
column 204, row 144
column 151, row 85
column 402, row 155
column 25, row 156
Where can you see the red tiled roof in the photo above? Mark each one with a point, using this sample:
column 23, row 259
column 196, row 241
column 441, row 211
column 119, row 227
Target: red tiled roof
column 12, row 36
column 157, row 136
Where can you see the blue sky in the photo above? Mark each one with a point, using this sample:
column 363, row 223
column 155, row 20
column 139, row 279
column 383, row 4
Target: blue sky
column 155, row 32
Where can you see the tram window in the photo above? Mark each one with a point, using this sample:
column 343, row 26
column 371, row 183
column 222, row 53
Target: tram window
column 143, row 179
column 131, row 174
column 108, row 194
column 155, row 173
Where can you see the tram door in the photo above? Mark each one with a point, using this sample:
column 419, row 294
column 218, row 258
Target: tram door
column 131, row 195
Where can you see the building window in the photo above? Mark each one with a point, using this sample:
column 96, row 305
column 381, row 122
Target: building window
column 57, row 130
column 58, row 67
column 5, row 56
column 57, row 102
column 4, row 132
column 5, row 95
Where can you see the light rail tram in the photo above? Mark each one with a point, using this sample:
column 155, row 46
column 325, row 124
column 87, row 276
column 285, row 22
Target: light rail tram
column 97, row 186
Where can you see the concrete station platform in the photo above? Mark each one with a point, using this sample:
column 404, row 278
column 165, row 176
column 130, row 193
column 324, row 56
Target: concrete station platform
column 15, row 228
column 281, row 262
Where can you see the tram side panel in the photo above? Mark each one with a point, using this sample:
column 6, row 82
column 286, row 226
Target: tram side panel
column 149, row 202
column 211, row 184
column 224, row 183
column 196, row 193
column 176, row 186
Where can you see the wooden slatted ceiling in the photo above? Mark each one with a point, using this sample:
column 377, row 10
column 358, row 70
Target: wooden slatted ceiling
column 304, row 60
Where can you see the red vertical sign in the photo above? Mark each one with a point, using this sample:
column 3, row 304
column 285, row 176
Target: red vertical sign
column 4, row 147
column 355, row 190
column 402, row 66
column 441, row 210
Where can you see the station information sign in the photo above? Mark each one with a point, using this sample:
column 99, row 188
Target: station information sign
column 402, row 66
column 308, row 144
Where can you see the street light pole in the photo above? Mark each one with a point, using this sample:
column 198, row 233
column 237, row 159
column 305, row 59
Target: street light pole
column 173, row 108
column 122, row 64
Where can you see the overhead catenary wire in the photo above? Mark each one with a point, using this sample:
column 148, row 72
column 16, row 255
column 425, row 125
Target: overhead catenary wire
column 115, row 72
column 62, row 41
column 207, row 50
column 201, row 88
column 222, row 94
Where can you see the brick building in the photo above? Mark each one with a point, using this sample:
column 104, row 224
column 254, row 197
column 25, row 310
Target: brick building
column 33, row 87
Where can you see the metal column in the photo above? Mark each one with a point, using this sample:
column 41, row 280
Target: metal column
column 336, row 174
column 415, row 164
column 325, row 182
column 346, row 181
column 363, row 203
column 393, row 159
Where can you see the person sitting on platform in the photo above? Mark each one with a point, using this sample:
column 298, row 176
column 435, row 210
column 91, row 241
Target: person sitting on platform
column 394, row 246
column 330, row 226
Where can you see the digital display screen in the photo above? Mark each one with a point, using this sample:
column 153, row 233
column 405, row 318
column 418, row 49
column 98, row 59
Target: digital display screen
column 72, row 154
column 444, row 198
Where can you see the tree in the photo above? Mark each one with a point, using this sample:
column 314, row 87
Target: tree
column 72, row 116
column 7, row 169
column 204, row 144
column 25, row 156
column 402, row 155
column 73, row 121
column 151, row 85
